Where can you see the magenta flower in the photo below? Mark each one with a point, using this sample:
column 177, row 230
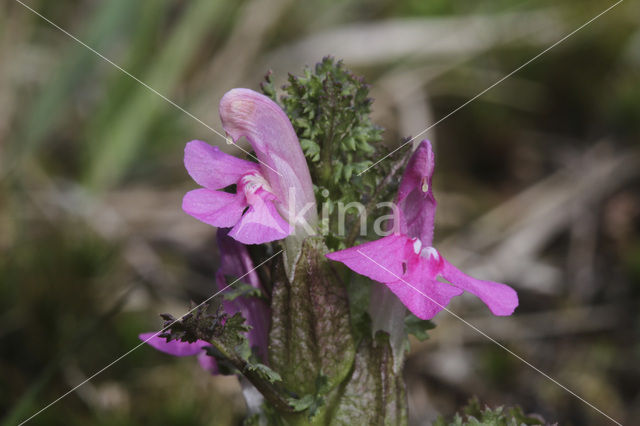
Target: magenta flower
column 272, row 197
column 407, row 263
column 177, row 348
column 235, row 262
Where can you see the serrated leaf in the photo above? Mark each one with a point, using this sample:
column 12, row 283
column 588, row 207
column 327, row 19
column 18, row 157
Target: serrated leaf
column 265, row 372
column 337, row 172
column 350, row 143
column 241, row 289
column 348, row 170
column 418, row 327
column 233, row 335
column 301, row 404
column 475, row 415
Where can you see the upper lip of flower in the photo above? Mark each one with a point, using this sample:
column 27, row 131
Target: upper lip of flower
column 249, row 114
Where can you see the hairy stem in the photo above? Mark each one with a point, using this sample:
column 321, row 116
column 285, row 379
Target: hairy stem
column 271, row 393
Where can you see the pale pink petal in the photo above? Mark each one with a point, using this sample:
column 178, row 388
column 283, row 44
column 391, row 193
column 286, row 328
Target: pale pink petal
column 174, row 347
column 255, row 311
column 208, row 363
column 215, row 208
column 261, row 223
column 258, row 317
column 212, row 168
column 415, row 195
column 245, row 113
column 235, row 260
column 382, row 260
column 500, row 298
column 236, row 263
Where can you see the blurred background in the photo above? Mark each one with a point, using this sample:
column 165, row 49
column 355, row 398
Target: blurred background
column 537, row 180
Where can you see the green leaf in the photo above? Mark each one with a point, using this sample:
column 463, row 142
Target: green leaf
column 347, row 171
column 234, row 329
column 418, row 327
column 267, row 86
column 265, row 372
column 475, row 415
column 312, row 403
column 301, row 404
column 241, row 289
column 311, row 149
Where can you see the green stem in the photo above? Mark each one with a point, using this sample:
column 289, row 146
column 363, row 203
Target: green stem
column 270, row 392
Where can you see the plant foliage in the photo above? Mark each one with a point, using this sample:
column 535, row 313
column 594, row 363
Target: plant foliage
column 474, row 415
column 330, row 109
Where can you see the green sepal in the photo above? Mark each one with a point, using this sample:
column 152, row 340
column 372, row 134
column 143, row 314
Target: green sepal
column 373, row 394
column 310, row 334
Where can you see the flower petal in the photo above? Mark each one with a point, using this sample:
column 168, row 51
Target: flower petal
column 500, row 298
column 215, row 208
column 212, row 168
column 236, row 262
column 415, row 196
column 267, row 128
column 424, row 297
column 260, row 224
column 419, row 290
column 174, row 347
column 381, row 260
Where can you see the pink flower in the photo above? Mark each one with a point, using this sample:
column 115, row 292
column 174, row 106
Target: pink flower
column 272, row 196
column 178, row 348
column 236, row 263
column 407, row 263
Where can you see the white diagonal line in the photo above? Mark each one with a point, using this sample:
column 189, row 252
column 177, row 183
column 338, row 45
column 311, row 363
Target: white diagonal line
column 142, row 343
column 493, row 85
column 496, row 342
column 143, row 84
